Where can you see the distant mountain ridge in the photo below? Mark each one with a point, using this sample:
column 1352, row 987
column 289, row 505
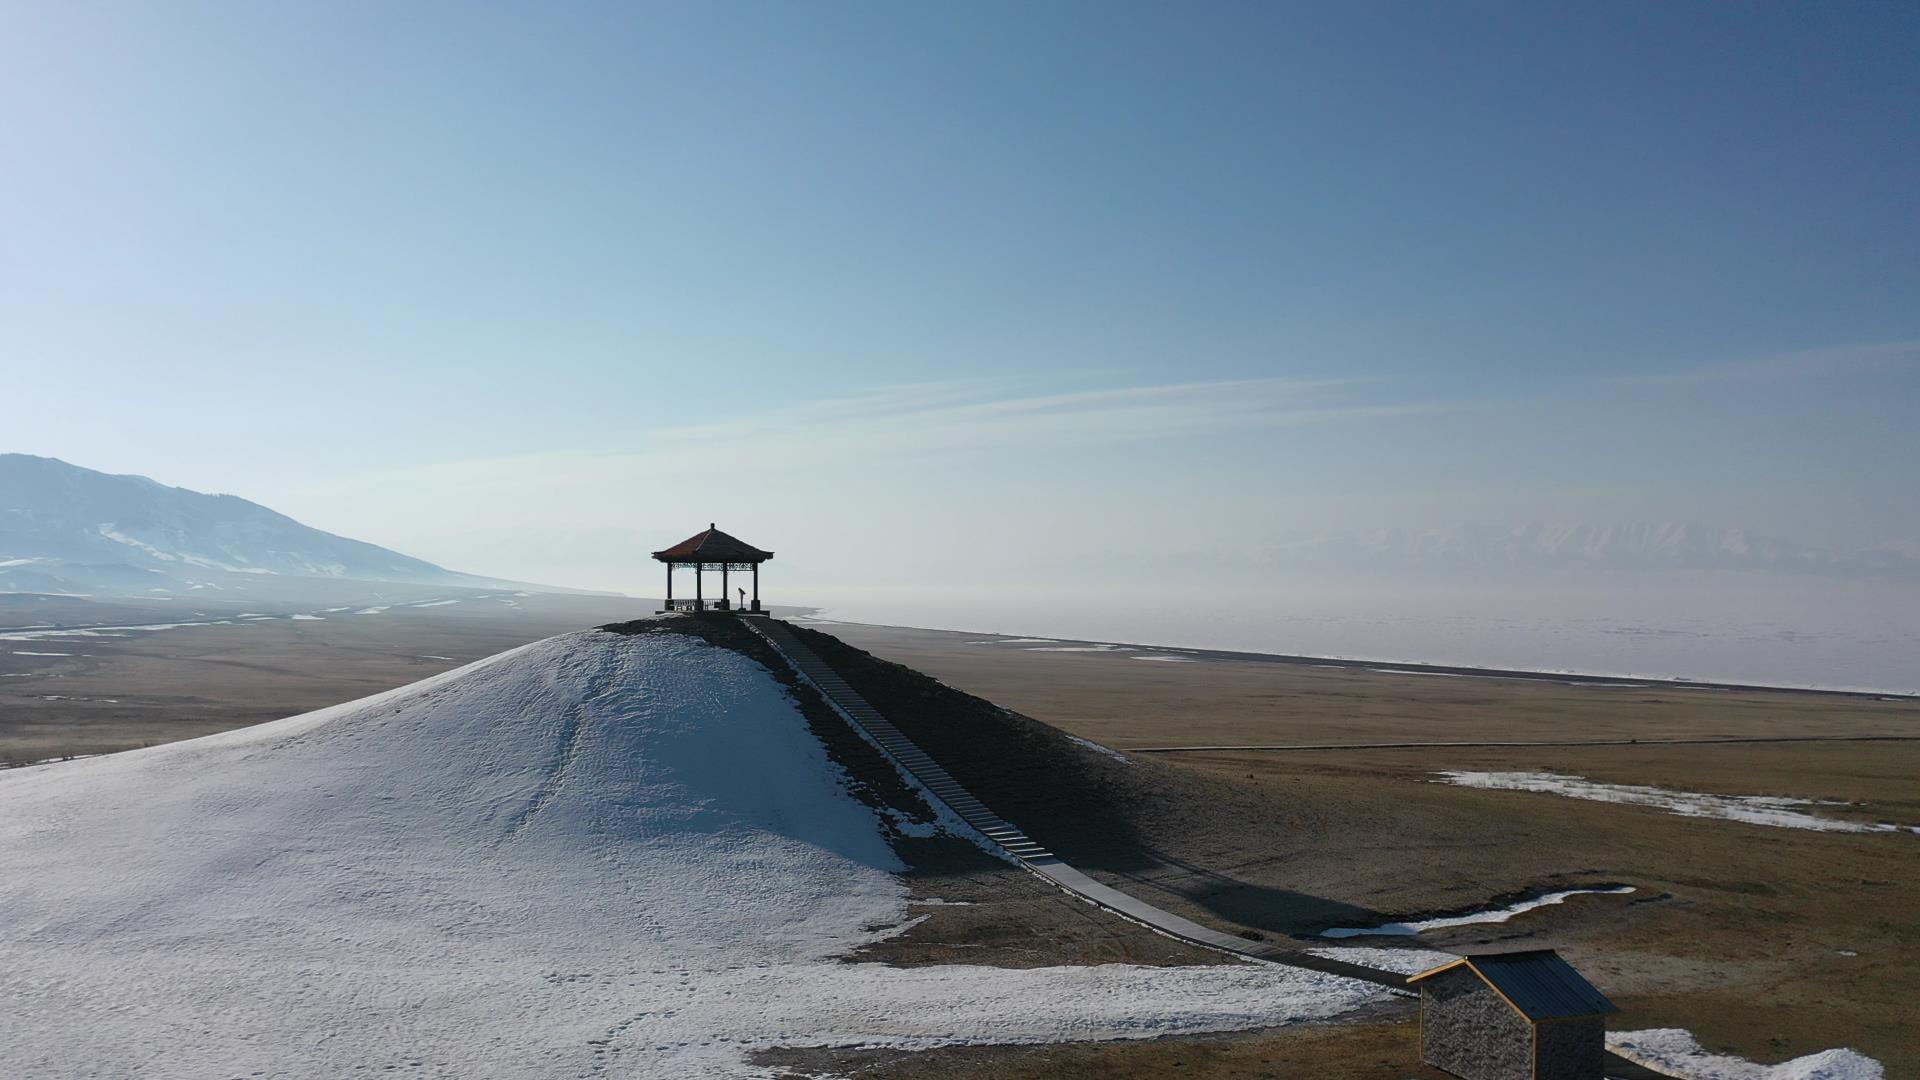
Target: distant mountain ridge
column 64, row 528
column 1543, row 546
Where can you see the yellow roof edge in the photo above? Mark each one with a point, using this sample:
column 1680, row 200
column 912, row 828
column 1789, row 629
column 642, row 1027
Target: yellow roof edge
column 1448, row 966
column 1482, row 976
column 1478, row 974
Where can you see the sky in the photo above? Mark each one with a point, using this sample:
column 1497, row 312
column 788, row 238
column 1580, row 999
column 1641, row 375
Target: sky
column 965, row 293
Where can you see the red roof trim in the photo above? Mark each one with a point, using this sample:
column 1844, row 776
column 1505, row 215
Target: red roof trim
column 712, row 546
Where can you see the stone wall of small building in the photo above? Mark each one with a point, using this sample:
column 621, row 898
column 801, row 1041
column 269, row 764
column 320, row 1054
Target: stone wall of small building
column 1466, row 1029
column 1572, row 1049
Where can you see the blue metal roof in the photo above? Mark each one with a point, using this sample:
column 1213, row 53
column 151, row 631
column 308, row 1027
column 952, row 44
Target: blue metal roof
column 1538, row 983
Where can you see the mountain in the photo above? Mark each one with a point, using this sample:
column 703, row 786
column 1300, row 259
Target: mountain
column 1586, row 547
column 64, row 528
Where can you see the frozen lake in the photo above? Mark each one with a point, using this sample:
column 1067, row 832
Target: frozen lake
column 1839, row 635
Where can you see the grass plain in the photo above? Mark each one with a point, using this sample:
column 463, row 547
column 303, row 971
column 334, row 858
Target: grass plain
column 1767, row 942
column 63, row 696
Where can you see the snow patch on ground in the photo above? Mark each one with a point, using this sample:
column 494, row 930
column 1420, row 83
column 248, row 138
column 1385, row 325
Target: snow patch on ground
column 1098, row 749
column 107, row 530
column 1676, row 1052
column 1168, row 659
column 1495, row 915
column 1769, row 810
column 1404, row 961
column 101, row 631
column 309, row 618
column 592, row 853
column 1073, row 648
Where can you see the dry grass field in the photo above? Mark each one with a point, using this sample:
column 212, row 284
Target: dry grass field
column 1769, row 942
column 89, row 695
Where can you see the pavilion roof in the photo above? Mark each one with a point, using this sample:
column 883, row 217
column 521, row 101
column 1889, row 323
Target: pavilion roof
column 712, row 546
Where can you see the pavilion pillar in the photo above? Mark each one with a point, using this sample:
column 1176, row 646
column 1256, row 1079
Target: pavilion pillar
column 669, row 604
column 726, row 594
column 699, row 595
column 756, row 586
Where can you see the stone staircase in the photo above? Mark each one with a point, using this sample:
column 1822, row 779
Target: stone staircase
column 916, row 763
column 897, row 746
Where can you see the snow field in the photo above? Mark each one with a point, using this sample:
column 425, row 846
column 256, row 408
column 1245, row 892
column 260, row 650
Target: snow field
column 1404, row 961
column 1774, row 811
column 1674, row 1051
column 1491, row 915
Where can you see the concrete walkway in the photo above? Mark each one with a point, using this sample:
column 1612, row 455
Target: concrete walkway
column 913, row 761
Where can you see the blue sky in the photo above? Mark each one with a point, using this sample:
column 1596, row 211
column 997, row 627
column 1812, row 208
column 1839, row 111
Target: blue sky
column 526, row 288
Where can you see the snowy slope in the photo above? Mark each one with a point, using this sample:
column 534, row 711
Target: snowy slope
column 595, row 851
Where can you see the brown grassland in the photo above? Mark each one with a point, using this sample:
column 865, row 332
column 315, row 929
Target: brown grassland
column 1768, row 942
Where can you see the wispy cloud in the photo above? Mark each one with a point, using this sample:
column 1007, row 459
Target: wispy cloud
column 950, row 420
column 1799, row 364
column 968, row 416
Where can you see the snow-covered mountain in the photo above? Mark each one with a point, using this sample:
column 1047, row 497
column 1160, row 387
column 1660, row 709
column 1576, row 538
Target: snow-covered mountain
column 64, row 528
column 595, row 853
column 1546, row 547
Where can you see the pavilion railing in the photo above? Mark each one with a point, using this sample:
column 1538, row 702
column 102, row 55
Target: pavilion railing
column 701, row 605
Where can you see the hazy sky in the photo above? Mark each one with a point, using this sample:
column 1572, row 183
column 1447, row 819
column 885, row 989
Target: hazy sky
column 937, row 291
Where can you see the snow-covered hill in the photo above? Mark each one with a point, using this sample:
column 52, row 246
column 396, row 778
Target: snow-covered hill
column 1538, row 546
column 64, row 528
column 594, row 852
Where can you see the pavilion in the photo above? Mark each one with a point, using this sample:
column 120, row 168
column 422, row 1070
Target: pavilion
column 712, row 550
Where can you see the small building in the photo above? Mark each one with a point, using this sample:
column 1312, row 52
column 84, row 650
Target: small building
column 1512, row 1016
column 713, row 550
